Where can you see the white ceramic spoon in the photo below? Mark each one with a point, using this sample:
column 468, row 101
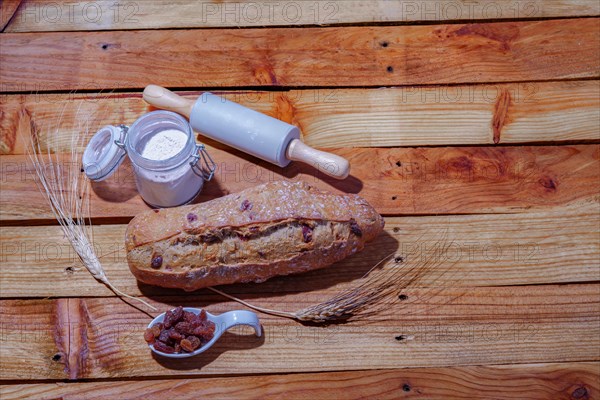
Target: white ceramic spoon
column 222, row 323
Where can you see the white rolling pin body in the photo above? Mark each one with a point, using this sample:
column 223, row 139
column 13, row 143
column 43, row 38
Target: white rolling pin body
column 242, row 128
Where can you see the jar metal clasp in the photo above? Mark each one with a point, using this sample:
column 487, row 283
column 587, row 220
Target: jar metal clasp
column 121, row 143
column 202, row 163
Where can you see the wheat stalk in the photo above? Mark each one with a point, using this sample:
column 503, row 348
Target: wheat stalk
column 70, row 201
column 367, row 296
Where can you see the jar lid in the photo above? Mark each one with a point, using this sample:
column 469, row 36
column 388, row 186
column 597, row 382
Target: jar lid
column 105, row 152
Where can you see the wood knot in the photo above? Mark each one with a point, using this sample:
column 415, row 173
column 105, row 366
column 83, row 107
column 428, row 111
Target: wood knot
column 462, row 163
column 548, row 183
column 580, row 393
column 265, row 75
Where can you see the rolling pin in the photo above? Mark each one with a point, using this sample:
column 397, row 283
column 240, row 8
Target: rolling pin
column 247, row 130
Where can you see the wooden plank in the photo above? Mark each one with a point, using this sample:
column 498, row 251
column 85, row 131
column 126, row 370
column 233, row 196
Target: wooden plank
column 395, row 181
column 7, row 11
column 486, row 250
column 101, row 338
column 433, row 115
column 344, row 56
column 37, row 15
column 531, row 381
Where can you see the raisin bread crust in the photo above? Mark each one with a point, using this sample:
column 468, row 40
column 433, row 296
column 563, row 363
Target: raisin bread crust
column 277, row 228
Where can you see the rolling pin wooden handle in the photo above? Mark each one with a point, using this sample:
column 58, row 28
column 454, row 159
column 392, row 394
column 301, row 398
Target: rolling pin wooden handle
column 164, row 99
column 330, row 164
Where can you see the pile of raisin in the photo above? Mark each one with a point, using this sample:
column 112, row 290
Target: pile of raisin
column 180, row 331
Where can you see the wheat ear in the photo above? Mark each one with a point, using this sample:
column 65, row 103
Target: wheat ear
column 71, row 203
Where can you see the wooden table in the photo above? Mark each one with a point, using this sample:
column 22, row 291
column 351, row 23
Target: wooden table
column 479, row 119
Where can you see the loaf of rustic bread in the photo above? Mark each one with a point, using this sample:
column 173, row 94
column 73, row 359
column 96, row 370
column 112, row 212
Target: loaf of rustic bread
column 278, row 228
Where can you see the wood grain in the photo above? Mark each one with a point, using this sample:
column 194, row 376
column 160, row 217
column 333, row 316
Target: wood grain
column 344, row 56
column 486, row 250
column 37, row 15
column 102, row 337
column 395, row 181
column 519, row 292
column 434, row 115
column 523, row 381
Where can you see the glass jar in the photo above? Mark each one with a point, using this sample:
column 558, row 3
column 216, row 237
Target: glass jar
column 161, row 181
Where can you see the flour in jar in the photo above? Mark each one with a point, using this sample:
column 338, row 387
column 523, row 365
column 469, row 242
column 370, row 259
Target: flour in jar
column 165, row 144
